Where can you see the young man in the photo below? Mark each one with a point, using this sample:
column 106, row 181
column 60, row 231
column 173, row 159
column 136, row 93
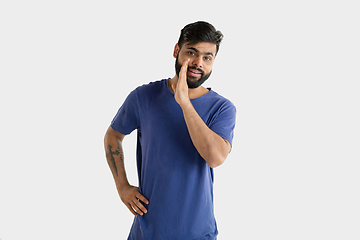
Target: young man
column 184, row 131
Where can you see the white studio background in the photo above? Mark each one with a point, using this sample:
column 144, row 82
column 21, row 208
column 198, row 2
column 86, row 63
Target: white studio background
column 290, row 67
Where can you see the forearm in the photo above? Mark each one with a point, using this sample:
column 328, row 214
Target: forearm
column 129, row 195
column 213, row 148
column 115, row 158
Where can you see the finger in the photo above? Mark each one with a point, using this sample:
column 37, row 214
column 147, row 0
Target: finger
column 184, row 70
column 131, row 210
column 184, row 67
column 186, row 63
column 139, row 208
column 142, row 198
column 136, row 209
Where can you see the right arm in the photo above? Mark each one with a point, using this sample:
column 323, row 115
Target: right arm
column 129, row 195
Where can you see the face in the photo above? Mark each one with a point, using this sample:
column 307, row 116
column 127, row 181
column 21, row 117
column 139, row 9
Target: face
column 202, row 56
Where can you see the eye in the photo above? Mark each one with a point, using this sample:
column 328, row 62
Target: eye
column 191, row 53
column 207, row 58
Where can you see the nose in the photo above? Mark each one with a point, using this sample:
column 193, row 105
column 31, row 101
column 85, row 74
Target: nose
column 197, row 62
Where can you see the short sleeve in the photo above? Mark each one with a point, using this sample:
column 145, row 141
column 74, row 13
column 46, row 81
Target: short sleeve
column 224, row 120
column 127, row 118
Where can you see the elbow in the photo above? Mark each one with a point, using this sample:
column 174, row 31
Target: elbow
column 216, row 153
column 216, row 161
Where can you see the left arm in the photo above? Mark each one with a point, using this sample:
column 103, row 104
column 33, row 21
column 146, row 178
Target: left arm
column 213, row 148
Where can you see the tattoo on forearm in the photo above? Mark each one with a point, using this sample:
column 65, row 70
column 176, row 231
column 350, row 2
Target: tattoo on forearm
column 110, row 156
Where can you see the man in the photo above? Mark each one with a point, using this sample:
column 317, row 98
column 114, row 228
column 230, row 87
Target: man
column 184, row 131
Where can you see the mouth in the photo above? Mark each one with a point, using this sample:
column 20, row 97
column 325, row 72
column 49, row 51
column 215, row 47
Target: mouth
column 194, row 73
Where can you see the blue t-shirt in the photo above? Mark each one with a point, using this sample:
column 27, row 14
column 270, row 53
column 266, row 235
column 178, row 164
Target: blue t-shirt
column 172, row 175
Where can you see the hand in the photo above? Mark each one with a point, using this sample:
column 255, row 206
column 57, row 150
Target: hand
column 130, row 196
column 181, row 88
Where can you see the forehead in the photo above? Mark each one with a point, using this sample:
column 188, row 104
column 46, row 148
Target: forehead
column 203, row 47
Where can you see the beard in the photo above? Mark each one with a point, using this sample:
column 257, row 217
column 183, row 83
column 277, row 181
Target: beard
column 191, row 81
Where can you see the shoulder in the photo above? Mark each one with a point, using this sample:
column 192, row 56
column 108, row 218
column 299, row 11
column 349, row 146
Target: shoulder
column 151, row 86
column 221, row 101
column 148, row 92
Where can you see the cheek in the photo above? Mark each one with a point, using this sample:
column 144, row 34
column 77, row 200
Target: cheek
column 208, row 67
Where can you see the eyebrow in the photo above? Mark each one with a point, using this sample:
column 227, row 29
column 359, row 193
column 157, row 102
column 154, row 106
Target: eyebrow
column 197, row 50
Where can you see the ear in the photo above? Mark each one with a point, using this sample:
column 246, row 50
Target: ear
column 176, row 50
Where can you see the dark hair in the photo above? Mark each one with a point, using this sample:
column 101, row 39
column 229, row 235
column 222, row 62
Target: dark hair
column 200, row 32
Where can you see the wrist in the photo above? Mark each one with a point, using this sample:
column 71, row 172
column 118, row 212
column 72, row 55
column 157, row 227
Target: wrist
column 122, row 183
column 185, row 104
column 122, row 187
